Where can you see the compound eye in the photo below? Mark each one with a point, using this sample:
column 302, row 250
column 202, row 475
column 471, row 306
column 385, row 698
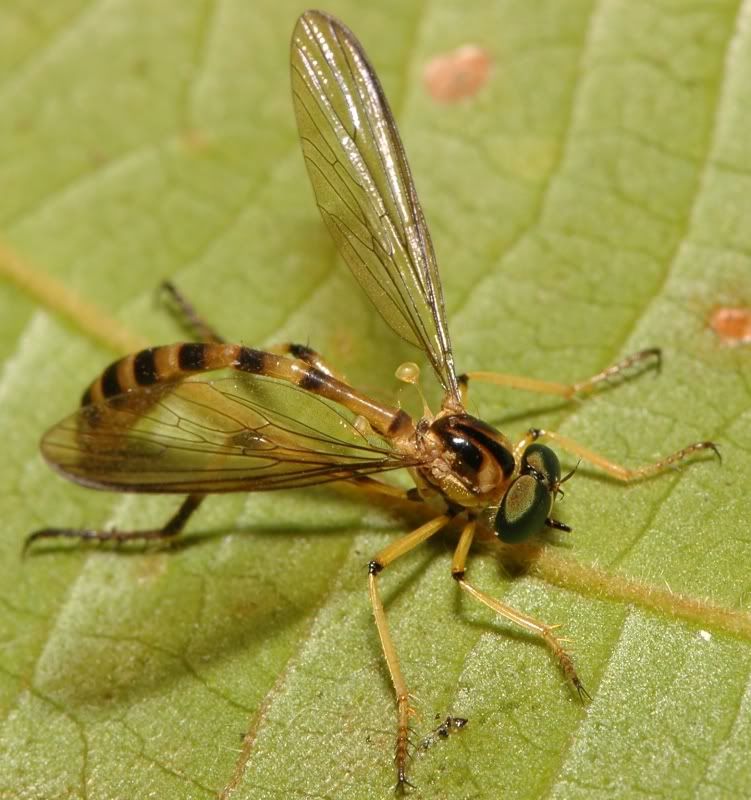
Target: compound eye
column 523, row 510
column 544, row 462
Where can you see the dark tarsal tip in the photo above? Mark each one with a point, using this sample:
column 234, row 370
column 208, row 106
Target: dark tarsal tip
column 714, row 448
column 584, row 695
column 656, row 353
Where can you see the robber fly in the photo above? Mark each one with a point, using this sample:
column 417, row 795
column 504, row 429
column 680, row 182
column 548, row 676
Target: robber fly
column 162, row 420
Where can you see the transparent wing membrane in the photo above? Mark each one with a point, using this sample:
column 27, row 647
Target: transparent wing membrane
column 244, row 433
column 364, row 187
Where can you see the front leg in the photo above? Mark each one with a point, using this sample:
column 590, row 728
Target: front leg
column 625, row 474
column 530, row 624
column 644, row 359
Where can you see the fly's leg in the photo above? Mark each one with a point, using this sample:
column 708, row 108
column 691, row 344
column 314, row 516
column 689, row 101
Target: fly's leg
column 524, row 621
column 644, row 359
column 403, row 708
column 179, row 519
column 618, row 471
column 188, row 316
column 174, row 525
column 373, row 486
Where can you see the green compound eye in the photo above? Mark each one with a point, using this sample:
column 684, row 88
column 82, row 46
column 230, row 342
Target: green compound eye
column 524, row 509
column 525, row 506
column 543, row 463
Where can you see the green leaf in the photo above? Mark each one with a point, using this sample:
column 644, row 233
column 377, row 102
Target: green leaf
column 590, row 200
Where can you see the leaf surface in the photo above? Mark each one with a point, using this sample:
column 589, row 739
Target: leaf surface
column 590, row 200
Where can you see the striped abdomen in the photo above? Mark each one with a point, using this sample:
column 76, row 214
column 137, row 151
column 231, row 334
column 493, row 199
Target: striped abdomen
column 172, row 363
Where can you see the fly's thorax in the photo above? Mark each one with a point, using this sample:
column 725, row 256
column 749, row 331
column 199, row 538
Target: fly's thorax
column 469, row 461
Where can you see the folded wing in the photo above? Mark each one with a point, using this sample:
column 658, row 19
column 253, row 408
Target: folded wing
column 244, row 433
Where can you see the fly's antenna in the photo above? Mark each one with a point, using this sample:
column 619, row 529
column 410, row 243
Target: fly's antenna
column 566, row 477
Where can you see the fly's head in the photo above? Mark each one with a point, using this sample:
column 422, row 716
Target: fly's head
column 526, row 505
column 472, row 465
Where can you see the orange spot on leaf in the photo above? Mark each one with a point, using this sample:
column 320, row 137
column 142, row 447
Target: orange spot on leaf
column 457, row 75
column 732, row 325
column 195, row 141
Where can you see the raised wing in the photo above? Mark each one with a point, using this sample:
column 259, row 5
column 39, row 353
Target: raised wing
column 245, row 433
column 364, row 187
